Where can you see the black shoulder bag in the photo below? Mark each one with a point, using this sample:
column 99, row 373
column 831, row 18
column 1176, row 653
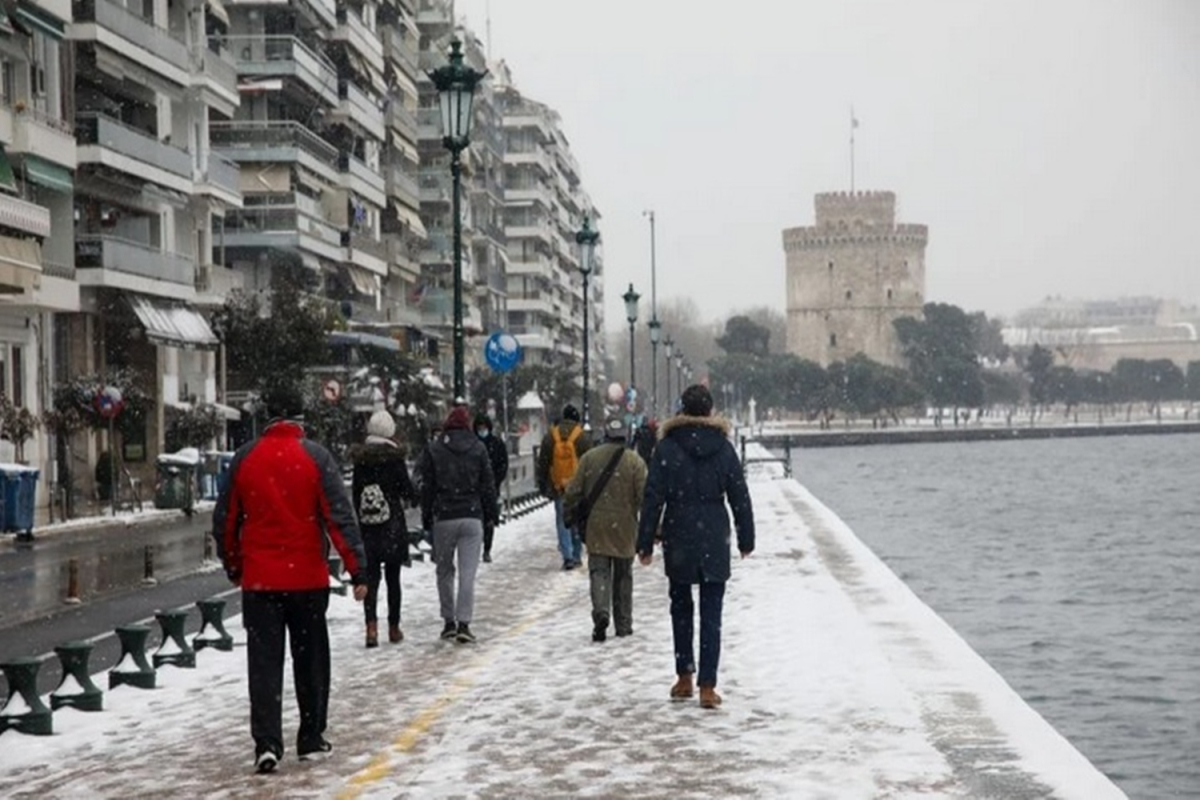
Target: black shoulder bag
column 580, row 518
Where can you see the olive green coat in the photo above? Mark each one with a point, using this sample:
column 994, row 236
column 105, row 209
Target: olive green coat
column 612, row 525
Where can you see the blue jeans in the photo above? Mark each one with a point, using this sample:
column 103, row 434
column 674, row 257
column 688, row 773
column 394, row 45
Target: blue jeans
column 569, row 543
column 683, row 621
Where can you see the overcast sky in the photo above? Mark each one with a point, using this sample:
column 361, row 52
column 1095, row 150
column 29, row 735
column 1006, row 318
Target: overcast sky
column 1051, row 146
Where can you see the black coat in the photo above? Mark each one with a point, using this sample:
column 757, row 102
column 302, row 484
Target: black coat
column 456, row 481
column 498, row 457
column 380, row 487
column 694, row 472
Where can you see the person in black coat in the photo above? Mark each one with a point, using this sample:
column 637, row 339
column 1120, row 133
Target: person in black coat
column 458, row 495
column 498, row 455
column 380, row 487
column 694, row 472
column 644, row 439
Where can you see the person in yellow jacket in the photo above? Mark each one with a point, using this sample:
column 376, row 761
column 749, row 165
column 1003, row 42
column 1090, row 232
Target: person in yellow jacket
column 557, row 460
column 609, row 524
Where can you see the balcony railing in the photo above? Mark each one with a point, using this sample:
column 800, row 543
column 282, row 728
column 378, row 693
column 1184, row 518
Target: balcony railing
column 401, row 118
column 217, row 63
column 401, row 184
column 401, row 49
column 359, row 107
column 100, row 251
column 366, row 244
column 24, row 215
column 237, row 137
column 223, row 172
column 285, row 56
column 55, row 270
column 351, row 165
column 135, row 28
column 97, row 129
column 353, row 30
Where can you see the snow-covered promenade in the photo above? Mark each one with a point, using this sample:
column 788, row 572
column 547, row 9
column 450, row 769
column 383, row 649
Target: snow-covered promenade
column 838, row 683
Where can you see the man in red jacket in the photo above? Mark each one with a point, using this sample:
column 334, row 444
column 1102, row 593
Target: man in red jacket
column 283, row 504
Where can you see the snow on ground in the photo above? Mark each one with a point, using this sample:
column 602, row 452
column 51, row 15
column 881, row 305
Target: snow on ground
column 838, row 683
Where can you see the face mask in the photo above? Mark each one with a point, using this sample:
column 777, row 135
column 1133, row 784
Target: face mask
column 482, row 434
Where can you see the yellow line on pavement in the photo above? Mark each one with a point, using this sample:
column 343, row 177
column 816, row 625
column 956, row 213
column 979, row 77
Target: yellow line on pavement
column 380, row 766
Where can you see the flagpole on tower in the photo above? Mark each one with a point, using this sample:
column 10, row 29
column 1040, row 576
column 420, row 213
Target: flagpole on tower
column 853, row 126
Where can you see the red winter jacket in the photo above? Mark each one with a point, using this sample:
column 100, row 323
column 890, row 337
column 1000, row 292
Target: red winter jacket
column 282, row 505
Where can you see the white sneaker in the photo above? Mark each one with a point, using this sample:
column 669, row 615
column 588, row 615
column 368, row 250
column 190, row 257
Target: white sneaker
column 321, row 751
column 265, row 762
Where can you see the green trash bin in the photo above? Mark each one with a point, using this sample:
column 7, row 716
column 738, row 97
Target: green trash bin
column 176, row 484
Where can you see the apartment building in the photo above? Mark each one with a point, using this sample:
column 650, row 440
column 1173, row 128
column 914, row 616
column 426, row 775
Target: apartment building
column 545, row 205
column 148, row 78
column 37, row 162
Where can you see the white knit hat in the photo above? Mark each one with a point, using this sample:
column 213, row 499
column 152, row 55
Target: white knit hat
column 381, row 424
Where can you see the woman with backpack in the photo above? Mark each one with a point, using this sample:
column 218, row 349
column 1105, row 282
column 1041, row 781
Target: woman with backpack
column 380, row 487
column 557, row 460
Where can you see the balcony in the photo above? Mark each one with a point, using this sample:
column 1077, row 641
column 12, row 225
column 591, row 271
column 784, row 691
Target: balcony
column 435, row 186
column 429, row 124
column 217, row 72
column 267, row 141
column 24, row 216
column 401, row 120
column 288, row 222
column 221, row 179
column 361, row 179
column 356, row 108
column 531, row 194
column 99, row 251
column 403, row 186
column 103, row 140
column 401, row 49
column 354, row 32
column 541, row 232
column 536, row 158
column 215, row 282
column 41, row 135
column 132, row 35
column 286, row 57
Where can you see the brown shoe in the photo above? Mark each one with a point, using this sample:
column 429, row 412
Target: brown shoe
column 395, row 635
column 372, row 634
column 683, row 688
column 709, row 697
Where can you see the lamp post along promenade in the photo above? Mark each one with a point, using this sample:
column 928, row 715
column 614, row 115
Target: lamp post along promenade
column 586, row 238
column 631, row 298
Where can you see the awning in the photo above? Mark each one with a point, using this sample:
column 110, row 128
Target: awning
column 363, row 281
column 264, row 85
column 174, row 325
column 20, row 265
column 217, row 9
column 6, row 172
column 310, row 261
column 224, row 411
column 410, row 153
column 51, row 176
column 36, row 18
column 270, row 178
column 352, row 338
column 412, row 219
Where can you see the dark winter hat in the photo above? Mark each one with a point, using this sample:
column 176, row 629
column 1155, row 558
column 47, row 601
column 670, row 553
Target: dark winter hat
column 697, row 401
column 482, row 420
column 571, row 412
column 459, row 419
column 284, row 404
column 615, row 428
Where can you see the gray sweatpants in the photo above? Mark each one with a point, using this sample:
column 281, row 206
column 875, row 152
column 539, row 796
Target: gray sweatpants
column 463, row 537
column 612, row 588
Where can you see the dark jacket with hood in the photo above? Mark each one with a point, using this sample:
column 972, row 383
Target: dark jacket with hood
column 694, row 472
column 497, row 452
column 380, row 487
column 456, row 479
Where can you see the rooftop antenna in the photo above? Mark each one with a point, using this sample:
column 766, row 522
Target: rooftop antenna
column 853, row 127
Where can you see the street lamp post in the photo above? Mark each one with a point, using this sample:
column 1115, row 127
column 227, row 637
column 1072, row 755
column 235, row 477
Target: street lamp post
column 655, row 333
column 455, row 83
column 631, row 310
column 668, row 347
column 586, row 238
column 655, row 325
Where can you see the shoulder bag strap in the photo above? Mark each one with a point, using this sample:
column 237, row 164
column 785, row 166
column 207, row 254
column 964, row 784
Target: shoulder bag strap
column 594, row 495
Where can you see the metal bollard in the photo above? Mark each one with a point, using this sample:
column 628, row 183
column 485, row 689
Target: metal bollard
column 174, row 648
column 209, row 554
column 72, row 597
column 24, row 711
column 212, row 614
column 76, row 689
column 148, row 578
column 133, row 669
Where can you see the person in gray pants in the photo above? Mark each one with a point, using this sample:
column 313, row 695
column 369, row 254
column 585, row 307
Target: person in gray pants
column 458, row 495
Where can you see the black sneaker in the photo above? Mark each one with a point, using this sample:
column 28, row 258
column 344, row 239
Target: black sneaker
column 599, row 634
column 450, row 630
column 487, row 558
column 265, row 762
column 568, row 566
column 464, row 635
column 314, row 752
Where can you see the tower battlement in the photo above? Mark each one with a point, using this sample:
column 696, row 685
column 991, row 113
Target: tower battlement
column 868, row 208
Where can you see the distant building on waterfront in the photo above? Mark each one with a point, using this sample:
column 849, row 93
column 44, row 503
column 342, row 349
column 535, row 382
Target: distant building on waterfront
column 1097, row 333
column 850, row 276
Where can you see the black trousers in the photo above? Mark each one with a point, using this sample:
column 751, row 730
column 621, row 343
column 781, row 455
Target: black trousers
column 389, row 564
column 267, row 617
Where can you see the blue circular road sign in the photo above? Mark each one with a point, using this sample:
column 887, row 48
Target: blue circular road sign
column 502, row 351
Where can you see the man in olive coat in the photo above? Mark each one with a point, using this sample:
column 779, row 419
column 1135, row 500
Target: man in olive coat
column 611, row 526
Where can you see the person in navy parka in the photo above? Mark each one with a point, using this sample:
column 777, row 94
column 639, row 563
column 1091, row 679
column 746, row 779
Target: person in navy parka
column 694, row 472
